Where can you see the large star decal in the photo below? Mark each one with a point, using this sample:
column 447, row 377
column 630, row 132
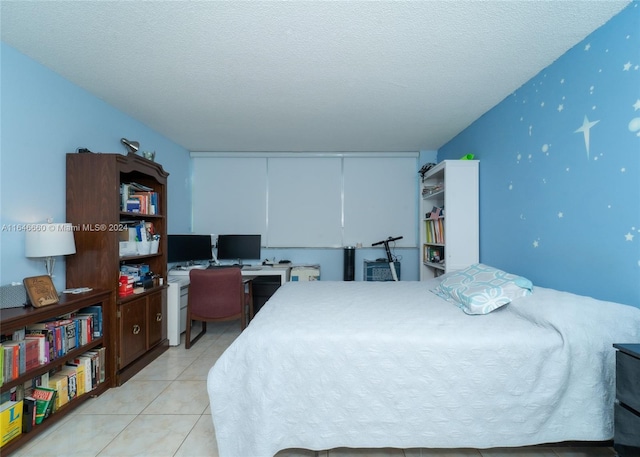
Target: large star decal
column 584, row 128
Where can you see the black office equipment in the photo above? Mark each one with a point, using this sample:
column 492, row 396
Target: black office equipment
column 239, row 247
column 189, row 248
column 349, row 263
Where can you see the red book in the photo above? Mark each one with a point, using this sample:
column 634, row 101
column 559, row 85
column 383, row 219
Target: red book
column 32, row 347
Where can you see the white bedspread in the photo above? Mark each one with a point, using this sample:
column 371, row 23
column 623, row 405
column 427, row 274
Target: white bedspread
column 384, row 364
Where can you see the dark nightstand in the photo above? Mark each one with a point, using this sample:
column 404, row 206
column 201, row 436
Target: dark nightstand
column 627, row 408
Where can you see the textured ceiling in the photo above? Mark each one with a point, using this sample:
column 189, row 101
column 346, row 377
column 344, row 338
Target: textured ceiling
column 301, row 75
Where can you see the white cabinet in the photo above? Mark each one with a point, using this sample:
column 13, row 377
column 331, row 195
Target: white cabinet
column 449, row 217
column 177, row 297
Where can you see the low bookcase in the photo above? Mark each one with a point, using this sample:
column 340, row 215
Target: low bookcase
column 16, row 319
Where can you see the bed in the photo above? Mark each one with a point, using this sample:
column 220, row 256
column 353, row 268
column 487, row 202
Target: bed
column 392, row 364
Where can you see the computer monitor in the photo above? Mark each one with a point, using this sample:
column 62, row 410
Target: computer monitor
column 189, row 248
column 239, row 247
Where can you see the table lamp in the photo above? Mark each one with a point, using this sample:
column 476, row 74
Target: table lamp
column 50, row 241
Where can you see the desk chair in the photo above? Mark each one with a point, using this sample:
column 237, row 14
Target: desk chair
column 214, row 296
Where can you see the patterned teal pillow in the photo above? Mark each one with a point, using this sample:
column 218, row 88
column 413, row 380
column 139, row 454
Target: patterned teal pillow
column 479, row 288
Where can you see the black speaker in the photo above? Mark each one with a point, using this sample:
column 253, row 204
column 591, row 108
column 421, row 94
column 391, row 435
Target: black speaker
column 349, row 263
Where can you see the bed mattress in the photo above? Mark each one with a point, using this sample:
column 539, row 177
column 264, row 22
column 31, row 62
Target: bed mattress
column 390, row 364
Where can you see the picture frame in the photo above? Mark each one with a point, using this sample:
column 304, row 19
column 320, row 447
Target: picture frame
column 41, row 291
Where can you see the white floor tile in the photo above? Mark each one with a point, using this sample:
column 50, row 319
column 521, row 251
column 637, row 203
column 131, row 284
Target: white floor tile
column 86, row 436
column 130, row 398
column 181, row 397
column 201, row 442
column 151, row 436
column 199, row 370
column 164, row 369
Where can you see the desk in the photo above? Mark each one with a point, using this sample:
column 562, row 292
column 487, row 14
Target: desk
column 178, row 295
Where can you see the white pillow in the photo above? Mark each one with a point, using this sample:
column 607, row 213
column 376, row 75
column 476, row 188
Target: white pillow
column 480, row 289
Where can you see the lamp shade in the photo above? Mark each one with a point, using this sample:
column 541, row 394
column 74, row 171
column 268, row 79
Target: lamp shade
column 52, row 240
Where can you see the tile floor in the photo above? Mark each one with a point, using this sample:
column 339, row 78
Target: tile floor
column 164, row 411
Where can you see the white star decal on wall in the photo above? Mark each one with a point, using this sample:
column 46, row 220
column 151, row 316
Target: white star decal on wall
column 629, row 236
column 627, row 66
column 536, row 244
column 584, row 128
column 560, row 107
column 636, row 105
column 560, row 215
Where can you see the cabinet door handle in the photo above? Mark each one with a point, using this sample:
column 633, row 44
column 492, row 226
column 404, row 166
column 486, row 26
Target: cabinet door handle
column 159, row 317
column 136, row 329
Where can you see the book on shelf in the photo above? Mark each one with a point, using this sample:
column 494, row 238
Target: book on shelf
column 96, row 312
column 11, row 360
column 71, row 335
column 85, row 329
column 32, row 353
column 28, row 414
column 80, row 377
column 429, row 190
column 60, row 383
column 41, row 381
column 433, row 254
column 45, row 397
column 71, row 372
column 434, row 231
column 85, row 370
column 136, row 198
column 132, row 206
column 49, row 339
column 10, row 420
column 41, row 347
column 57, row 335
column 98, row 358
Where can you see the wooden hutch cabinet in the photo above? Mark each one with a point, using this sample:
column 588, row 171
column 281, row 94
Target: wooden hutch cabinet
column 98, row 211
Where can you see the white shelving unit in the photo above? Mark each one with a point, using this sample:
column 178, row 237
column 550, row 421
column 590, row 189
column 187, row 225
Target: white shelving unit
column 449, row 241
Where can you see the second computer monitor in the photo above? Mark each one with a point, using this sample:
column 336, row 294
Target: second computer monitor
column 239, row 247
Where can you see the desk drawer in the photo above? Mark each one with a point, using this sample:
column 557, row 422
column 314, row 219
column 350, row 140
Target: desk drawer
column 627, row 429
column 628, row 380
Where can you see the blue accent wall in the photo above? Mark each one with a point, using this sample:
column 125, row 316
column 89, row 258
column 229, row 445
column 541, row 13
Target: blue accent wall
column 43, row 117
column 560, row 169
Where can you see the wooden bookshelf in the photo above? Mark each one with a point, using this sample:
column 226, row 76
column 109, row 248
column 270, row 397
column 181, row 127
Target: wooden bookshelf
column 14, row 319
column 94, row 183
